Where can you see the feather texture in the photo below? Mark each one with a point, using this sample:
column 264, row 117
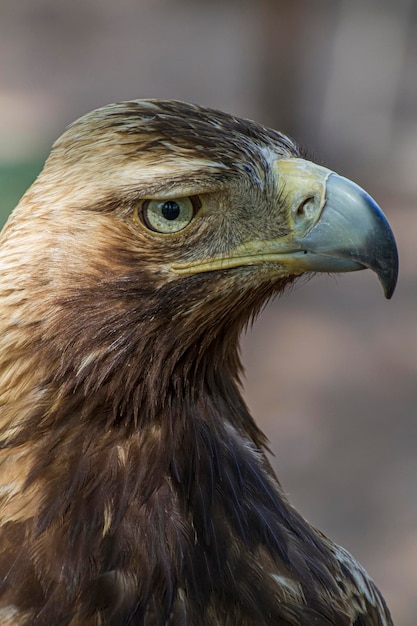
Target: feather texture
column 134, row 486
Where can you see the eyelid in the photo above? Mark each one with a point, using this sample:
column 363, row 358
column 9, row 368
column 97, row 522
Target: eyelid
column 196, row 202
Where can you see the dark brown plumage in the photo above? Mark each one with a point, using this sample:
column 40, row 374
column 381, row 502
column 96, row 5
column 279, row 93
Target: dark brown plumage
column 133, row 481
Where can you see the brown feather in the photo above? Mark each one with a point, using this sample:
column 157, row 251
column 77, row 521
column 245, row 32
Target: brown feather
column 134, row 484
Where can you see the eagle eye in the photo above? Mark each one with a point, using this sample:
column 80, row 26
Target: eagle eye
column 169, row 216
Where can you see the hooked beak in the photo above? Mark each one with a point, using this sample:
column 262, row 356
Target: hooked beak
column 333, row 225
column 351, row 233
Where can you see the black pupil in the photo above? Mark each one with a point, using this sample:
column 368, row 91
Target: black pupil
column 170, row 210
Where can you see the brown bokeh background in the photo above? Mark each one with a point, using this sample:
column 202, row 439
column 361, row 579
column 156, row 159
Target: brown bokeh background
column 331, row 368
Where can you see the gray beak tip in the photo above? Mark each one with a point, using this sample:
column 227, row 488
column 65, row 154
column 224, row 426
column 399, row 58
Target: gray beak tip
column 373, row 241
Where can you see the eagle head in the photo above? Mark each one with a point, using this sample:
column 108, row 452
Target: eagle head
column 134, row 484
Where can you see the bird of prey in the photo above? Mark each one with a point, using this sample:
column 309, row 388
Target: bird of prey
column 134, row 484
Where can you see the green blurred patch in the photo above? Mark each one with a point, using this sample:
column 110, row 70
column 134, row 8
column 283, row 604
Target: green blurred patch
column 15, row 178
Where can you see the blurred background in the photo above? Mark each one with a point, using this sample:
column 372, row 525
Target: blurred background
column 331, row 368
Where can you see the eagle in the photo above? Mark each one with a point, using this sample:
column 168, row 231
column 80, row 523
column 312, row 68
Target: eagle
column 135, row 487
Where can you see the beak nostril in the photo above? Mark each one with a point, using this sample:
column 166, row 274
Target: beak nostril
column 305, row 211
column 303, row 208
